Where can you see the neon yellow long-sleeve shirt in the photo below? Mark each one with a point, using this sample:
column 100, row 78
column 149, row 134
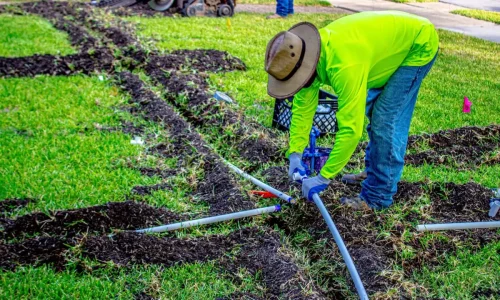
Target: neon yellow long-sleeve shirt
column 359, row 52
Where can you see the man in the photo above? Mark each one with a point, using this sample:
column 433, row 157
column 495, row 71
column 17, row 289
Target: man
column 284, row 8
column 375, row 62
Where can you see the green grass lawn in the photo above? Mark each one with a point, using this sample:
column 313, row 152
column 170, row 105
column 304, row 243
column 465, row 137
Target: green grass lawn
column 490, row 16
column 28, row 35
column 190, row 281
column 51, row 148
column 465, row 67
column 53, row 151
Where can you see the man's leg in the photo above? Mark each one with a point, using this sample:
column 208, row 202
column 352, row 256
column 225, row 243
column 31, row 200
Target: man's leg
column 356, row 179
column 390, row 123
column 290, row 7
column 281, row 8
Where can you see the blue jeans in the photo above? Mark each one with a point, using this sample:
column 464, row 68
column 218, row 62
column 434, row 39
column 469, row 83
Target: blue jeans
column 389, row 110
column 284, row 7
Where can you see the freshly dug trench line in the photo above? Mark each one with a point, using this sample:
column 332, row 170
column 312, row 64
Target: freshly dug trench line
column 258, row 251
column 94, row 219
column 218, row 189
column 465, row 148
column 198, row 60
column 462, row 146
column 13, row 204
column 36, row 251
column 150, row 172
column 253, row 142
column 84, row 63
column 373, row 253
column 56, row 13
column 149, row 189
column 463, row 136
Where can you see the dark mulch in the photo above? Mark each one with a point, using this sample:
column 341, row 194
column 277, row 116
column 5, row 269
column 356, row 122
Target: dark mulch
column 13, row 204
column 36, row 251
column 465, row 146
column 149, row 189
column 157, row 172
column 94, row 219
column 253, row 142
column 199, row 60
column 218, row 188
column 84, row 63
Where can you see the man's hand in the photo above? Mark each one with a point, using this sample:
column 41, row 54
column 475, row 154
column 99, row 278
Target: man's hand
column 296, row 165
column 314, row 185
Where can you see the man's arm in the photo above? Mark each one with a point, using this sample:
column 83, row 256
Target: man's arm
column 304, row 107
column 350, row 83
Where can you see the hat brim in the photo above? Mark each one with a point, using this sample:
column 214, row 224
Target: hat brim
column 284, row 89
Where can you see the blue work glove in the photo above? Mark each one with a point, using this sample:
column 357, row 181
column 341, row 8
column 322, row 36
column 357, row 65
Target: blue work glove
column 314, row 185
column 296, row 165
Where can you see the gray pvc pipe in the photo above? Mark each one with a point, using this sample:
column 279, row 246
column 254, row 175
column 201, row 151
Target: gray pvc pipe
column 457, row 226
column 210, row 220
column 261, row 184
column 343, row 250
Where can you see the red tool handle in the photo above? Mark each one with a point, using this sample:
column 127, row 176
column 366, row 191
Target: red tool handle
column 264, row 194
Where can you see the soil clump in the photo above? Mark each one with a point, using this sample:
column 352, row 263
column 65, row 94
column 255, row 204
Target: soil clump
column 95, row 219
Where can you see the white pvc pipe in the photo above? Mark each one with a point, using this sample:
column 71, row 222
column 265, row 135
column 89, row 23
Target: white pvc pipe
column 262, row 184
column 343, row 250
column 210, row 220
column 457, row 226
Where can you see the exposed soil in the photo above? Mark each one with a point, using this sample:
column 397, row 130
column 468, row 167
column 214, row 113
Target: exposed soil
column 256, row 251
column 36, row 251
column 143, row 296
column 449, row 203
column 57, row 13
column 84, row 63
column 13, row 204
column 465, row 146
column 218, row 188
column 94, row 219
column 157, row 172
column 460, row 203
column 253, row 142
column 199, row 60
column 486, row 293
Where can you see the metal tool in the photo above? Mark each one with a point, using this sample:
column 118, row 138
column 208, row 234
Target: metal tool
column 315, row 157
column 263, row 194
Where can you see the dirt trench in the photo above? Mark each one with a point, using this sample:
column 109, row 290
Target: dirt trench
column 256, row 250
column 252, row 141
column 217, row 188
column 465, row 147
column 375, row 254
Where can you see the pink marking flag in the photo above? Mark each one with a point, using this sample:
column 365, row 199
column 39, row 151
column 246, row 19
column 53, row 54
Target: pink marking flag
column 467, row 105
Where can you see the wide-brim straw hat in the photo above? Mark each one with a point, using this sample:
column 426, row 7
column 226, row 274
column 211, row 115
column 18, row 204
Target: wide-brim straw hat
column 291, row 59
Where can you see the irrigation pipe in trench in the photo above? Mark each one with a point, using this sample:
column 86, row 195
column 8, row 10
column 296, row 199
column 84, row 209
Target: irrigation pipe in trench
column 261, row 184
column 333, row 229
column 458, row 226
column 210, row 220
column 343, row 250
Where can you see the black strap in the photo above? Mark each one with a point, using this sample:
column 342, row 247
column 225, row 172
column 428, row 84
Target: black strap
column 299, row 63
